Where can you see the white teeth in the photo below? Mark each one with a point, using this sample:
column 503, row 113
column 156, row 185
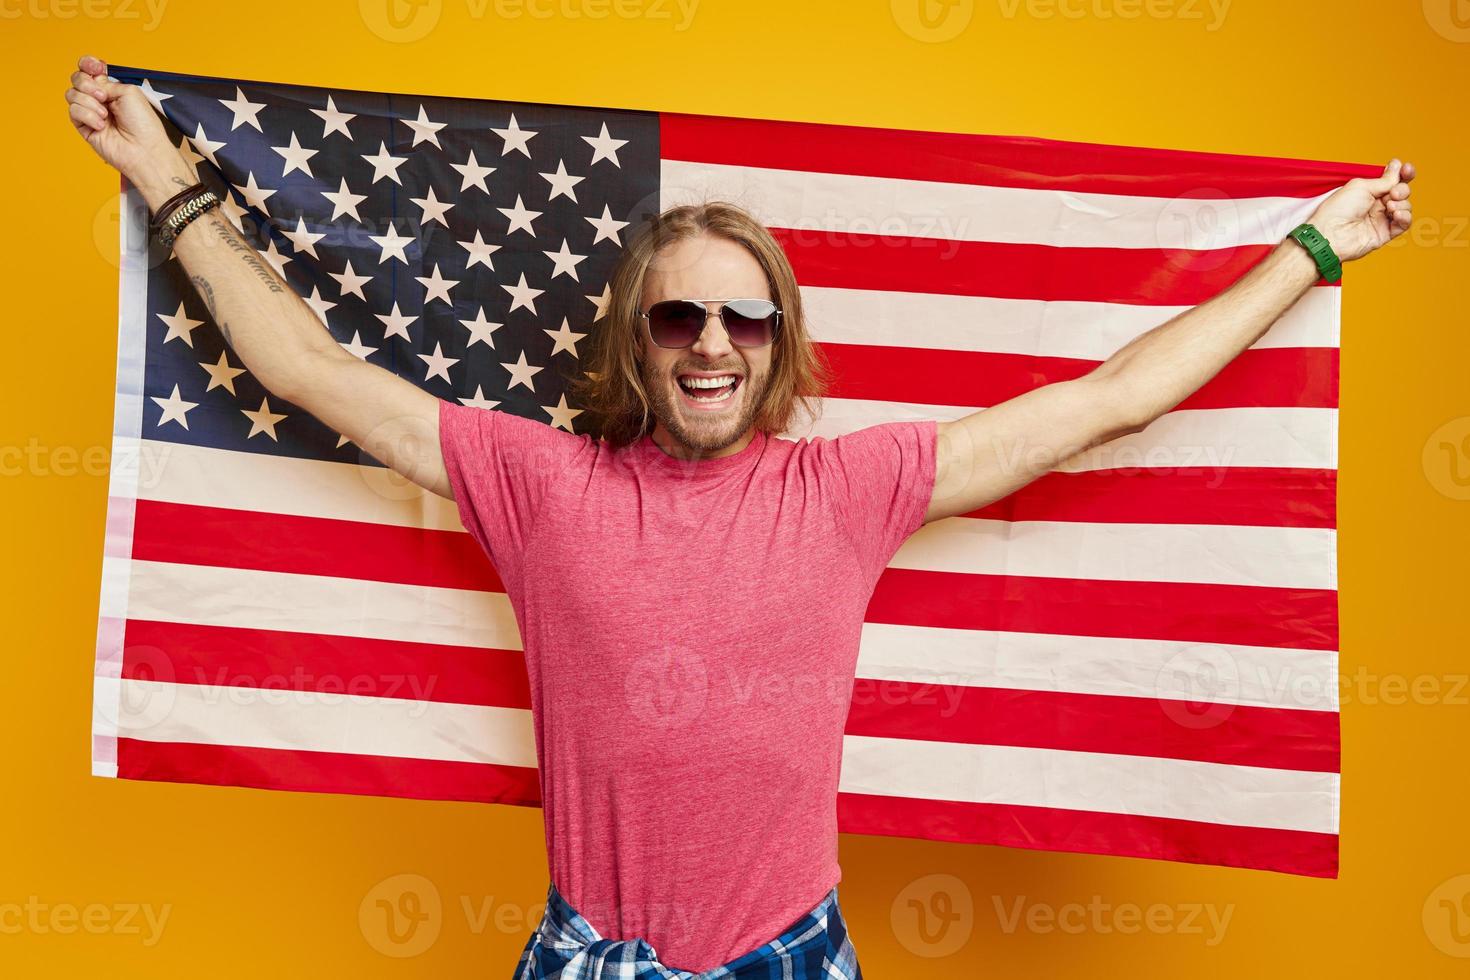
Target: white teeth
column 719, row 382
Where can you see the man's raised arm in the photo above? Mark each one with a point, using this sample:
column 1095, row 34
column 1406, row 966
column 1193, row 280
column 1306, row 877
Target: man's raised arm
column 269, row 327
column 996, row 451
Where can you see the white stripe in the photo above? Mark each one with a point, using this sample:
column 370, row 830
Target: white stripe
column 313, row 721
column 1210, row 439
column 1088, row 331
column 1280, row 557
column 209, row 596
column 359, row 725
column 886, row 212
column 207, row 477
column 1246, row 796
column 952, row 659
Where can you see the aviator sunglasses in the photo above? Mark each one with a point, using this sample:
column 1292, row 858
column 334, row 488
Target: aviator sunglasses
column 677, row 323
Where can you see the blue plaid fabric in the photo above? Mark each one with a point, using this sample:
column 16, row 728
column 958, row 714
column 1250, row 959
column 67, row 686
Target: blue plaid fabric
column 566, row 947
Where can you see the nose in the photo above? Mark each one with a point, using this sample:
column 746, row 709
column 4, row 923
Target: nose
column 713, row 343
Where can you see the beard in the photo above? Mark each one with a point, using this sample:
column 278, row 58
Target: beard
column 705, row 432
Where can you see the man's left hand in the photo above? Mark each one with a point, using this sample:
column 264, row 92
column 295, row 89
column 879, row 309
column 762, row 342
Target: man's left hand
column 1365, row 214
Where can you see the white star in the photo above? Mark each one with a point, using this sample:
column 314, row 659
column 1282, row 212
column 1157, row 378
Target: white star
column 479, row 401
column 203, row 144
column 254, row 196
column 481, row 330
column 303, row 240
column 520, row 372
column 522, row 295
column 358, row 349
column 605, row 147
column 296, row 156
column 395, row 323
column 566, row 338
column 262, row 420
column 561, row 415
column 157, row 98
column 565, row 261
column 345, row 202
column 318, row 305
column 515, row 137
column 245, row 111
column 179, row 325
column 601, row 302
column 520, row 217
column 391, row 244
column 473, row 174
column 433, row 208
column 350, row 281
column 607, row 227
column 221, row 375
column 174, row 408
column 437, row 287
column 274, row 256
column 334, row 121
column 562, row 182
column 423, row 129
column 385, row 164
column 480, row 251
column 437, row 363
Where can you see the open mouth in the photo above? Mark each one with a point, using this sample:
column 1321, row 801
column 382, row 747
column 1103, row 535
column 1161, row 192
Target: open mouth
column 709, row 392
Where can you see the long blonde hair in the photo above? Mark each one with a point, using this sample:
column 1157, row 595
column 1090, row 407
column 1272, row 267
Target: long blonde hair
column 610, row 389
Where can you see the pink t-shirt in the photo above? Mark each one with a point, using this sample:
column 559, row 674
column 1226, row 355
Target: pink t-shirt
column 691, row 636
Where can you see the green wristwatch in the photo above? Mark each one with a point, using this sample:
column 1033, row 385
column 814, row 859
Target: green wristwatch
column 1327, row 261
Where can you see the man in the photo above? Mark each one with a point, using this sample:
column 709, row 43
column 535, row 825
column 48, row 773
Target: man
column 697, row 826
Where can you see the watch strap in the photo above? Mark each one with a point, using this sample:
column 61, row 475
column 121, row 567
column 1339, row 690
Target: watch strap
column 1328, row 264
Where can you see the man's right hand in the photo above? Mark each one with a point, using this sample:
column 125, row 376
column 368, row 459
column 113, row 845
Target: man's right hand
column 116, row 119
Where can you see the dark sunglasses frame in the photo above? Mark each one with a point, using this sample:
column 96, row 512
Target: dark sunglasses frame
column 721, row 312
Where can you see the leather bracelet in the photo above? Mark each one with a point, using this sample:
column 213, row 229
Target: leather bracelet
column 168, row 207
column 183, row 214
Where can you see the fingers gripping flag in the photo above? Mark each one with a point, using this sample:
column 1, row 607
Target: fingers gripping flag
column 1134, row 655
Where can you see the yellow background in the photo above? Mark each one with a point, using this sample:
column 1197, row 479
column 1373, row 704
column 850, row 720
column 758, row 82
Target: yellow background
column 269, row 883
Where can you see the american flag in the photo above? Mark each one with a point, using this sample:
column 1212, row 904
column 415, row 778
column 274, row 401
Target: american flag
column 1134, row 655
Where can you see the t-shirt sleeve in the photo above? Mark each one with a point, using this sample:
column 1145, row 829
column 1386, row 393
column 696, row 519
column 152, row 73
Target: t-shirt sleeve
column 501, row 467
column 879, row 481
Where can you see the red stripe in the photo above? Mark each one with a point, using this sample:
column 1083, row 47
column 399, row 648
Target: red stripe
column 326, row 772
column 1257, row 496
column 225, row 656
column 194, row 535
column 1271, row 377
column 1134, row 276
column 1088, row 832
column 997, row 161
column 1233, row 734
column 1243, row 614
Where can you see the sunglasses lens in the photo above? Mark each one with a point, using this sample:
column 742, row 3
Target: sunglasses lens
column 750, row 322
column 675, row 322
